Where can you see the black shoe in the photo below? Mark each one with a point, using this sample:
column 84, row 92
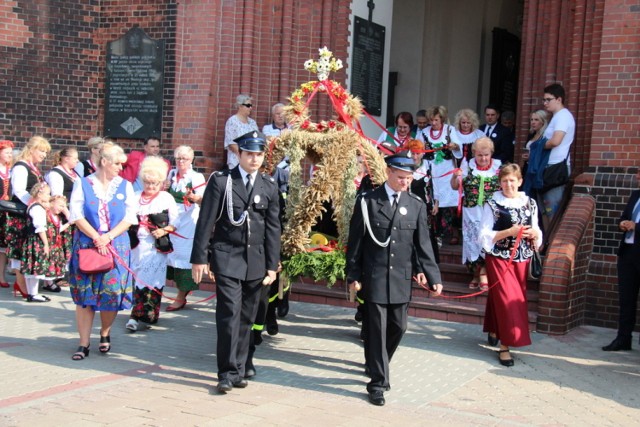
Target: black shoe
column 105, row 344
column 505, row 362
column 272, row 327
column 359, row 316
column 283, row 307
column 619, row 344
column 241, row 383
column 250, row 372
column 493, row 341
column 38, row 298
column 224, row 386
column 377, row 397
column 257, row 337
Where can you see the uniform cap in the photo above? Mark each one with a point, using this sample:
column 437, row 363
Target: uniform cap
column 253, row 141
column 402, row 161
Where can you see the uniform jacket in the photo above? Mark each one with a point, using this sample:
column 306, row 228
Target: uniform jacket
column 386, row 273
column 502, row 141
column 233, row 251
column 626, row 216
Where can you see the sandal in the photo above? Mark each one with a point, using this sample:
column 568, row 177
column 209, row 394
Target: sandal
column 105, row 344
column 52, row 287
column 473, row 285
column 62, row 283
column 81, row 353
column 483, row 286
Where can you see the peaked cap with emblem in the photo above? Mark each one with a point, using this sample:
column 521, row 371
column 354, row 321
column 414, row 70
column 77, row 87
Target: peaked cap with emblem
column 402, row 161
column 253, row 142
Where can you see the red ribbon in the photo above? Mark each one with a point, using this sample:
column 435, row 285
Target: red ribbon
column 120, row 261
column 150, row 227
column 513, row 255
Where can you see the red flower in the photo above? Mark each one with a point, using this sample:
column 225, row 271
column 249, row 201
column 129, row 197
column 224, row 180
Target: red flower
column 331, row 124
column 320, row 127
column 305, row 124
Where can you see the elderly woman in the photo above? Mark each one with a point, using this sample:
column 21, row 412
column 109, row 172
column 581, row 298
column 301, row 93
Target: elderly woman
column 157, row 213
column 187, row 187
column 62, row 176
column 24, row 175
column 442, row 161
column 103, row 207
column 237, row 125
column 466, row 123
column 88, row 166
column 6, row 161
column 479, row 182
column 401, row 132
column 506, row 216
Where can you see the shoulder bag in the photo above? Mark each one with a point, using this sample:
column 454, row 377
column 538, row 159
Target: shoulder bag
column 93, row 262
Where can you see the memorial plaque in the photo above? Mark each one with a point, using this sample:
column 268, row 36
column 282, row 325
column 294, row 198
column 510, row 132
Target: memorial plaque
column 134, row 84
column 368, row 62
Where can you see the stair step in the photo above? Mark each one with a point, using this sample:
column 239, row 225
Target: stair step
column 430, row 307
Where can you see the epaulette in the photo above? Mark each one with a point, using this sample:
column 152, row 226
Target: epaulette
column 268, row 178
column 414, row 196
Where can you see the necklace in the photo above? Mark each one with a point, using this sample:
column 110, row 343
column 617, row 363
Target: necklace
column 485, row 168
column 433, row 135
column 465, row 133
column 35, row 171
column 145, row 200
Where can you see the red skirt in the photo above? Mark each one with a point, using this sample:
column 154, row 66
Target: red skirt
column 506, row 314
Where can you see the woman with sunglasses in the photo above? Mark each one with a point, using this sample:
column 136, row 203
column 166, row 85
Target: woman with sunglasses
column 237, row 125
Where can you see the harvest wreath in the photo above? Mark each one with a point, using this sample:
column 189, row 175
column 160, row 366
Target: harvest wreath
column 333, row 146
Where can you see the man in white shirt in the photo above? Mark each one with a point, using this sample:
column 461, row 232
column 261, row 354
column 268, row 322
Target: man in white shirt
column 560, row 134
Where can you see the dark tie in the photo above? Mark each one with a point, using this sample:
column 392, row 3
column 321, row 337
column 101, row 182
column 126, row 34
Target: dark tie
column 394, row 202
column 634, row 215
column 249, row 185
column 489, row 130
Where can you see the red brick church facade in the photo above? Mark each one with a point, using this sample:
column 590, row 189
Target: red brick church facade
column 52, row 84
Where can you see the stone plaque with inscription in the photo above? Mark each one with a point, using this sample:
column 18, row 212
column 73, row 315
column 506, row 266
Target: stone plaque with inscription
column 134, row 84
column 368, row 62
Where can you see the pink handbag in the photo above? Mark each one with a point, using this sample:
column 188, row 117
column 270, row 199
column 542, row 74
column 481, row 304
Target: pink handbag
column 92, row 262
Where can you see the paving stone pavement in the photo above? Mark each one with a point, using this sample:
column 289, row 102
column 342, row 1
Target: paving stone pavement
column 310, row 374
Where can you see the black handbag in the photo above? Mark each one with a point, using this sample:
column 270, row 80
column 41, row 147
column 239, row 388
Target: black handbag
column 555, row 175
column 13, row 208
column 535, row 266
column 161, row 220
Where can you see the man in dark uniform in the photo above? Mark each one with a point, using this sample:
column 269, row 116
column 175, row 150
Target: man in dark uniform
column 241, row 207
column 388, row 246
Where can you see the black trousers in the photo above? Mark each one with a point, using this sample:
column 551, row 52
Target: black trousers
column 385, row 324
column 628, row 286
column 236, row 306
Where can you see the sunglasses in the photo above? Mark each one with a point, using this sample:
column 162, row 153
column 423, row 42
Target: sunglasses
column 248, row 105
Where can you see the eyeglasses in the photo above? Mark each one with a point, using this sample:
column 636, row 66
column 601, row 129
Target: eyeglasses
column 248, row 105
column 182, row 159
column 545, row 100
column 403, row 127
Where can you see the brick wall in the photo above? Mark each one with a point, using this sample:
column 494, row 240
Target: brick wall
column 52, row 78
column 258, row 48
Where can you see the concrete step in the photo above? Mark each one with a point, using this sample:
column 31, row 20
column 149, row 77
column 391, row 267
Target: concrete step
column 425, row 307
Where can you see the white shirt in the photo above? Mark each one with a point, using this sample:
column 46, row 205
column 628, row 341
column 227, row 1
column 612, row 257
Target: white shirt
column 390, row 193
column 561, row 121
column 244, row 174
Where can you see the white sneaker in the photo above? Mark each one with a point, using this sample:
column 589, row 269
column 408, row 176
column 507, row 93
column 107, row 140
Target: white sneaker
column 132, row 325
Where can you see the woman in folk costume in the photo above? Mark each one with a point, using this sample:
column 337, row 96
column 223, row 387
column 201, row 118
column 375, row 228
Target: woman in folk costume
column 397, row 135
column 442, row 162
column 509, row 214
column 24, row 175
column 6, row 161
column 187, row 187
column 157, row 213
column 102, row 208
column 479, row 182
